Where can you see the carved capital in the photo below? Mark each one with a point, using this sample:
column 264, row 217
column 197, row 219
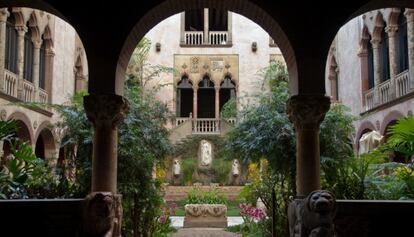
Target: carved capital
column 375, row 43
column 106, row 109
column 312, row 216
column 391, row 30
column 4, row 14
column 21, row 30
column 307, row 111
column 37, row 43
column 99, row 213
column 409, row 14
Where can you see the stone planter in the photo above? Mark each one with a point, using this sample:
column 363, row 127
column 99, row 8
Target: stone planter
column 205, row 215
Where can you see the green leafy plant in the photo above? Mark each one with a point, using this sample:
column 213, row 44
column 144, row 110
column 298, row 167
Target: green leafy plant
column 402, row 137
column 197, row 196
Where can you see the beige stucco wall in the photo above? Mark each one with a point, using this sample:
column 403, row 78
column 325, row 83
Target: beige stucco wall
column 244, row 33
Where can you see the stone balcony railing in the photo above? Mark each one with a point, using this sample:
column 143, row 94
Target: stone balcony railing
column 206, row 126
column 387, row 91
column 11, row 88
column 215, row 38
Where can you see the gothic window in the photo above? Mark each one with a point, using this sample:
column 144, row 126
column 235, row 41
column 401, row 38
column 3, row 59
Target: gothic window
column 370, row 64
column 206, row 98
column 11, row 45
column 227, row 91
column 42, row 65
column 184, row 97
column 28, row 56
column 402, row 43
column 384, row 56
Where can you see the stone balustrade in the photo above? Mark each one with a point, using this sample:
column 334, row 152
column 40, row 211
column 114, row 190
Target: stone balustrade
column 369, row 99
column 10, row 83
column 218, row 37
column 402, row 83
column 206, row 126
column 194, row 37
column 214, row 38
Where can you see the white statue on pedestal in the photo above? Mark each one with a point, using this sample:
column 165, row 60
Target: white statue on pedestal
column 206, row 156
column 235, row 168
column 176, row 167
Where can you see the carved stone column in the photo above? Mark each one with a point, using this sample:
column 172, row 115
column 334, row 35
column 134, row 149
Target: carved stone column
column 195, row 101
column 307, row 112
column 377, row 68
column 206, row 38
column 217, row 102
column 21, row 31
column 392, row 32
column 409, row 14
column 105, row 111
column 36, row 66
column 3, row 19
column 50, row 54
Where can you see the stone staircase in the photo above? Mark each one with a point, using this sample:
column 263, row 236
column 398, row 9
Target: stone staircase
column 204, row 232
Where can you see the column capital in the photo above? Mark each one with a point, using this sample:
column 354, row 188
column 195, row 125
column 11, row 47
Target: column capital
column 391, row 30
column 50, row 52
column 21, row 30
column 37, row 43
column 409, row 14
column 362, row 52
column 195, row 88
column 106, row 109
column 375, row 43
column 216, row 88
column 307, row 111
column 4, row 14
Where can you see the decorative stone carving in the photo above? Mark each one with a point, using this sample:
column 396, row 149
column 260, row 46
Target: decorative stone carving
column 307, row 111
column 99, row 214
column 106, row 109
column 176, row 168
column 205, row 215
column 3, row 114
column 369, row 141
column 35, row 124
column 235, row 168
column 312, row 216
column 206, row 153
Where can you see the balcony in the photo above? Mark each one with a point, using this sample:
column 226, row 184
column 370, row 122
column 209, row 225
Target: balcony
column 28, row 90
column 214, row 39
column 388, row 92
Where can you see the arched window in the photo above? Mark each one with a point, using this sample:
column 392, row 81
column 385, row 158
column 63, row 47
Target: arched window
column 384, row 58
column 402, row 41
column 28, row 56
column 206, row 98
column 227, row 91
column 370, row 64
column 42, row 65
column 11, row 45
column 184, row 97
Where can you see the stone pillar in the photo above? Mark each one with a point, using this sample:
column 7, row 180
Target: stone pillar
column 49, row 58
column 229, row 27
column 409, row 14
column 195, row 101
column 206, row 38
column 217, row 102
column 3, row 19
column 182, row 28
column 377, row 68
column 21, row 31
column 307, row 112
column 36, row 65
column 105, row 111
column 392, row 44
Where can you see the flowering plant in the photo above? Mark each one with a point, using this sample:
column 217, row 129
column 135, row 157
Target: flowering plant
column 163, row 227
column 251, row 215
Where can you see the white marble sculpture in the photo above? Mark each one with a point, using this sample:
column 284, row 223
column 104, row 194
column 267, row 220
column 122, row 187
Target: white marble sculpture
column 369, row 141
column 206, row 156
column 235, row 168
column 176, row 167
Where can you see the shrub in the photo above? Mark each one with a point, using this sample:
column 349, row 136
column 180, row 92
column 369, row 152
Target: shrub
column 197, row 196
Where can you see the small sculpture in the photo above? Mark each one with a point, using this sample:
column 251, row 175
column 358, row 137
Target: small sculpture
column 176, row 167
column 235, row 168
column 205, row 153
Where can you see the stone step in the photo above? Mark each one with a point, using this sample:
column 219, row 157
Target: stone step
column 204, row 232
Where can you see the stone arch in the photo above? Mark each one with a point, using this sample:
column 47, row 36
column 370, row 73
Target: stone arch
column 18, row 16
column 365, row 36
column 393, row 16
column 170, row 7
column 27, row 133
column 379, row 25
column 47, row 38
column 34, row 27
column 388, row 119
column 45, row 146
column 366, row 126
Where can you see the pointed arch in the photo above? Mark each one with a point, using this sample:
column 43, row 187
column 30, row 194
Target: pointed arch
column 379, row 26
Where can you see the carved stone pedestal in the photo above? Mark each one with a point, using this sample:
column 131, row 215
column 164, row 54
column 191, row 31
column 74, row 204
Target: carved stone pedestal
column 312, row 216
column 205, row 215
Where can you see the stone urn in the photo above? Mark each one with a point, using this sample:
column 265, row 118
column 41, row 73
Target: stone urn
column 205, row 215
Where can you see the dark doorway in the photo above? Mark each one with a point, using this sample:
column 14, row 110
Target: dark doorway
column 184, row 97
column 40, row 147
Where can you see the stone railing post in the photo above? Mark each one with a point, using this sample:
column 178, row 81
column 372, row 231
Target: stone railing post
column 105, row 111
column 307, row 112
column 195, row 101
column 3, row 19
column 217, row 102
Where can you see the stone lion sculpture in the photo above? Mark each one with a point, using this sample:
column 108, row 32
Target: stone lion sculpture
column 313, row 216
column 99, row 214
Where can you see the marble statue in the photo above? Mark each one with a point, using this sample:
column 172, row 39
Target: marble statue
column 235, row 168
column 176, row 167
column 369, row 141
column 206, row 156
